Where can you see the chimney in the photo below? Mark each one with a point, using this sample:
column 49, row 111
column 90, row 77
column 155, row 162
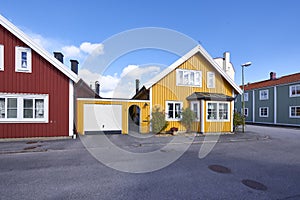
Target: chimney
column 272, row 75
column 59, row 56
column 97, row 87
column 137, row 85
column 74, row 66
column 226, row 61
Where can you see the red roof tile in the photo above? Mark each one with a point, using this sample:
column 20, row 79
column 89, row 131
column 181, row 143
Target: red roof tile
column 278, row 81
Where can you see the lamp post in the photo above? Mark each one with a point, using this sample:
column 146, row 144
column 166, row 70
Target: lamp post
column 247, row 64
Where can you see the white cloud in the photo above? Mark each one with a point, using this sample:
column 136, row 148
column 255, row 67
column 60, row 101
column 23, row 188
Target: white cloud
column 122, row 86
column 71, row 51
column 96, row 48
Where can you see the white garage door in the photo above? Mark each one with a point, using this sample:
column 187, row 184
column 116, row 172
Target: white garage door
column 102, row 118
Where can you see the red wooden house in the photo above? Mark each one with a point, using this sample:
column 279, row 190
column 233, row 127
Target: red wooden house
column 36, row 88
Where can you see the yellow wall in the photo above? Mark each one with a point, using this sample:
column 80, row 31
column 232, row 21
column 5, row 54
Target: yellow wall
column 166, row 90
column 144, row 113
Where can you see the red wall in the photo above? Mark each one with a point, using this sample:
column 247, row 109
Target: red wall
column 44, row 79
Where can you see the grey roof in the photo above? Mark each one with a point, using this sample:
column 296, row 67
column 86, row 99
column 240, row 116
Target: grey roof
column 209, row 96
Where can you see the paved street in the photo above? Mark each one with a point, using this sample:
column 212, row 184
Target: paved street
column 64, row 169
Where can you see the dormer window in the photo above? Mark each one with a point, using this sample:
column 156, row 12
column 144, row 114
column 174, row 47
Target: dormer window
column 23, row 59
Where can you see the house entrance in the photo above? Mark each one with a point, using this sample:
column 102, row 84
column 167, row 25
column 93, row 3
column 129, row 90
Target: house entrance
column 134, row 119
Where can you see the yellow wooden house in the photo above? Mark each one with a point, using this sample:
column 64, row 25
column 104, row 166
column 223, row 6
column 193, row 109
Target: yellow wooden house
column 196, row 80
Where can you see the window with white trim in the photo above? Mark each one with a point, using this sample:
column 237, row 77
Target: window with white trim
column 263, row 94
column 23, row 59
column 245, row 112
column 294, row 111
column 217, row 111
column 23, row 108
column 1, row 57
column 188, row 78
column 173, row 110
column 264, row 112
column 211, row 80
column 195, row 107
column 246, row 96
column 295, row 90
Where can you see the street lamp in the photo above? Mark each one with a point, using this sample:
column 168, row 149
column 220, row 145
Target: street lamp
column 247, row 64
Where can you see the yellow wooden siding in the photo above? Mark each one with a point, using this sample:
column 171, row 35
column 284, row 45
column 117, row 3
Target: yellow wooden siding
column 144, row 113
column 166, row 90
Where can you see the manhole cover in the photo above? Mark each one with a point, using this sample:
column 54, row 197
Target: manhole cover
column 254, row 184
column 219, row 169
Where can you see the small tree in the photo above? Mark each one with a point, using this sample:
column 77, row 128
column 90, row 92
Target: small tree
column 188, row 117
column 238, row 120
column 158, row 120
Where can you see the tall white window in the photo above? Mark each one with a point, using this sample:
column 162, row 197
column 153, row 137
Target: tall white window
column 188, row 78
column 23, row 59
column 295, row 91
column 173, row 110
column 217, row 111
column 263, row 94
column 1, row 57
column 263, row 111
column 23, row 108
column 294, row 111
column 246, row 96
column 211, row 80
column 195, row 107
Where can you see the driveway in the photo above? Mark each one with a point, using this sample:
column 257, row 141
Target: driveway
column 265, row 158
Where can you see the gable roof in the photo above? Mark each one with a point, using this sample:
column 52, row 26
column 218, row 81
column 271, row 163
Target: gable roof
column 291, row 78
column 34, row 46
column 195, row 50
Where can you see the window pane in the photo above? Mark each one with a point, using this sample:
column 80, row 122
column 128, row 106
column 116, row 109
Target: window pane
column 195, row 109
column 223, row 111
column 186, row 78
column 293, row 111
column 39, row 108
column 170, row 110
column 298, row 111
column 2, row 108
column 298, row 90
column 177, row 110
column 180, row 77
column 197, row 79
column 212, row 111
column 192, row 78
column 24, row 59
column 28, row 108
column 12, row 108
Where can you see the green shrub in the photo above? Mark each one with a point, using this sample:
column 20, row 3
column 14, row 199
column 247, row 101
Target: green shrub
column 238, row 120
column 158, row 120
column 188, row 117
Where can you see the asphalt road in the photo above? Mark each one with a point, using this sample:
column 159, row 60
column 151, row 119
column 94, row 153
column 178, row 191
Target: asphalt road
column 64, row 169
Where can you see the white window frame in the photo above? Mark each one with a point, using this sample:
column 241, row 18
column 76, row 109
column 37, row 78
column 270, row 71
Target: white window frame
column 294, row 87
column 245, row 111
column 191, row 81
column 174, row 107
column 197, row 113
column 1, row 57
column 246, row 94
column 18, row 60
column 218, row 111
column 260, row 108
column 261, row 94
column 290, row 109
column 20, row 108
column 211, row 80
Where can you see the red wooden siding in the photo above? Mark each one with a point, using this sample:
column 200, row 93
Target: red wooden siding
column 44, row 79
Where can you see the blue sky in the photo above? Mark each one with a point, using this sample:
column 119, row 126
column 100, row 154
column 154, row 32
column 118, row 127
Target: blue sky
column 263, row 32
